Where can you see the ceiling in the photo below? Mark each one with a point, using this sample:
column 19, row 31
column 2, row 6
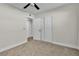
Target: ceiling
column 43, row 7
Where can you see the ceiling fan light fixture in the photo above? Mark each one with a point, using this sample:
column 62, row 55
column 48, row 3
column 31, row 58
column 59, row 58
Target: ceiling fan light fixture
column 33, row 5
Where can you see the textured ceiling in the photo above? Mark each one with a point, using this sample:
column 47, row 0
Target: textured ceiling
column 31, row 9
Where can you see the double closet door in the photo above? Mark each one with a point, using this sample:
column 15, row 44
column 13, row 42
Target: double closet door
column 43, row 29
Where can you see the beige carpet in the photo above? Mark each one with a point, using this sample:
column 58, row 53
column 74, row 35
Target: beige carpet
column 40, row 48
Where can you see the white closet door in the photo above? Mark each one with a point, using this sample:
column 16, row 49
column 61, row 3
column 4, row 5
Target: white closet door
column 48, row 29
column 43, row 29
column 37, row 29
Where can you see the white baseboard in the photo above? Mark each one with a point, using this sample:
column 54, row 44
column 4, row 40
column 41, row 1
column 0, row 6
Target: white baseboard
column 65, row 45
column 61, row 44
column 12, row 46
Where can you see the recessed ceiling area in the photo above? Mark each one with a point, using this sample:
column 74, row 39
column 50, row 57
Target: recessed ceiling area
column 43, row 7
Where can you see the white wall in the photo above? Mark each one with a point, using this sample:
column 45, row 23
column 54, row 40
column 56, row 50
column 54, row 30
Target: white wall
column 64, row 25
column 77, row 7
column 11, row 26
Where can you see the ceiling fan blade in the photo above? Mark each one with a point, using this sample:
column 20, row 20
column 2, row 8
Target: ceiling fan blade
column 26, row 5
column 36, row 6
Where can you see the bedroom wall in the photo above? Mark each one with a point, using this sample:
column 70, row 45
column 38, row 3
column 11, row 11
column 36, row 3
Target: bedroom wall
column 64, row 25
column 11, row 26
column 77, row 7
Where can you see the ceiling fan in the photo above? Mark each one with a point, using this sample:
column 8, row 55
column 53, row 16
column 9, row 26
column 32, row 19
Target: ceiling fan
column 33, row 4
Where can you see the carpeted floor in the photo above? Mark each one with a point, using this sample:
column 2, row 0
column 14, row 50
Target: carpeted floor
column 40, row 48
